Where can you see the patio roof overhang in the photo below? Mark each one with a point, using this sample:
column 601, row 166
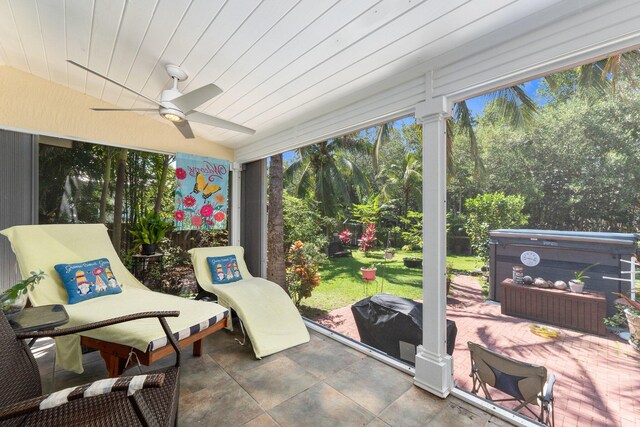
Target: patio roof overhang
column 300, row 71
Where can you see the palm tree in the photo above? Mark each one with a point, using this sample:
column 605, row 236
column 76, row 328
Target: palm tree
column 383, row 134
column 603, row 76
column 325, row 171
column 514, row 105
column 275, row 226
column 596, row 78
column 404, row 177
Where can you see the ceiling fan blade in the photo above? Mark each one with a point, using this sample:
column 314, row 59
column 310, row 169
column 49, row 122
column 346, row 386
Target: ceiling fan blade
column 214, row 121
column 113, row 81
column 197, row 97
column 184, row 128
column 125, row 109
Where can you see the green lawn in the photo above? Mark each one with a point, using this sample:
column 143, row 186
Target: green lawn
column 463, row 263
column 341, row 283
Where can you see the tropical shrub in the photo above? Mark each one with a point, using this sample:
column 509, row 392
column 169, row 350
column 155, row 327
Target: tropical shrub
column 302, row 273
column 367, row 213
column 487, row 212
column 302, row 221
column 412, row 236
column 368, row 239
column 345, row 237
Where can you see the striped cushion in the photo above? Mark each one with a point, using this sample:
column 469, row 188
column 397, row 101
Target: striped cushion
column 97, row 388
column 180, row 335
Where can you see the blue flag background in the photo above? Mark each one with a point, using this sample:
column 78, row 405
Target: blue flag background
column 202, row 185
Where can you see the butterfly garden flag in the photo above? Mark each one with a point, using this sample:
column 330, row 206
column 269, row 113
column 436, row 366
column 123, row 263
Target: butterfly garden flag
column 201, row 193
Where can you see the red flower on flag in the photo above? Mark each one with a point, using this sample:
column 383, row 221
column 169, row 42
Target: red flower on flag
column 206, row 211
column 181, row 173
column 189, row 201
column 196, row 221
column 179, row 215
column 219, row 216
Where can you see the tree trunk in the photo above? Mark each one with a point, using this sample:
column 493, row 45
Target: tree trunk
column 161, row 183
column 117, row 207
column 275, row 227
column 105, row 185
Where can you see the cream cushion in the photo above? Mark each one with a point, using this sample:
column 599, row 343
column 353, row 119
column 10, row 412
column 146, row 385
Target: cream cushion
column 41, row 247
column 269, row 316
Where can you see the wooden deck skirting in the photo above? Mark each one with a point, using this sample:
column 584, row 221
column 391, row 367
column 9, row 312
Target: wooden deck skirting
column 582, row 312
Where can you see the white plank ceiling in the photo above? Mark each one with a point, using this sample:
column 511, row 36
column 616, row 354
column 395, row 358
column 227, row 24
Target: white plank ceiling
column 278, row 61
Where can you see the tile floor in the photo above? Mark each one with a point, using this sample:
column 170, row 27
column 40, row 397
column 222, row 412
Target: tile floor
column 322, row 383
column 597, row 377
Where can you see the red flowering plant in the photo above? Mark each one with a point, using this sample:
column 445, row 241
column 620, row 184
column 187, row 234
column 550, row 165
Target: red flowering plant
column 302, row 273
column 345, row 237
column 368, row 239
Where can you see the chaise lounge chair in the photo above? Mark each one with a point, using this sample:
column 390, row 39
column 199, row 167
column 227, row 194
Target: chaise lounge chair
column 150, row 400
column 41, row 247
column 523, row 382
column 270, row 318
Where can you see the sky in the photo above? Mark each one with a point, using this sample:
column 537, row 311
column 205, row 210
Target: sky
column 476, row 105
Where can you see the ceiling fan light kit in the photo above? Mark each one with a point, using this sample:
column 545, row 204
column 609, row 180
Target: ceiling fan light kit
column 173, row 103
column 171, row 115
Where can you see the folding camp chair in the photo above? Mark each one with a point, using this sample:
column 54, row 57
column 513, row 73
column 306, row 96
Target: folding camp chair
column 524, row 382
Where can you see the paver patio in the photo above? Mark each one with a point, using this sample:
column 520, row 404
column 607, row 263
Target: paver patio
column 320, row 383
column 597, row 378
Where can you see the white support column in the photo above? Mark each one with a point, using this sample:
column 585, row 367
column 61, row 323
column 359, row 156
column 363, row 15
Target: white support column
column 434, row 367
column 234, row 232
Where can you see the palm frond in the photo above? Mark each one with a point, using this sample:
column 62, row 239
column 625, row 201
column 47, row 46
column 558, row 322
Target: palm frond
column 590, row 79
column 292, row 169
column 383, row 133
column 303, row 186
column 463, row 119
column 514, row 105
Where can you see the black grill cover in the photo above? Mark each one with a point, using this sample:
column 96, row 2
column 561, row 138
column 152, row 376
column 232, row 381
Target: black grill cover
column 384, row 320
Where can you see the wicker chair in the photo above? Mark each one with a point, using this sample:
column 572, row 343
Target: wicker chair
column 148, row 400
column 523, row 382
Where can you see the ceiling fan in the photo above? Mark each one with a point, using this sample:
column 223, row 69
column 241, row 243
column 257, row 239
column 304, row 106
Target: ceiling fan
column 176, row 106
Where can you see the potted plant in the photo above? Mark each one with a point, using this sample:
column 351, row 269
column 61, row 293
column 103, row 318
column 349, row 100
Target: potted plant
column 412, row 262
column 631, row 312
column 633, row 320
column 149, row 231
column 577, row 284
column 369, row 273
column 14, row 299
column 389, row 253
